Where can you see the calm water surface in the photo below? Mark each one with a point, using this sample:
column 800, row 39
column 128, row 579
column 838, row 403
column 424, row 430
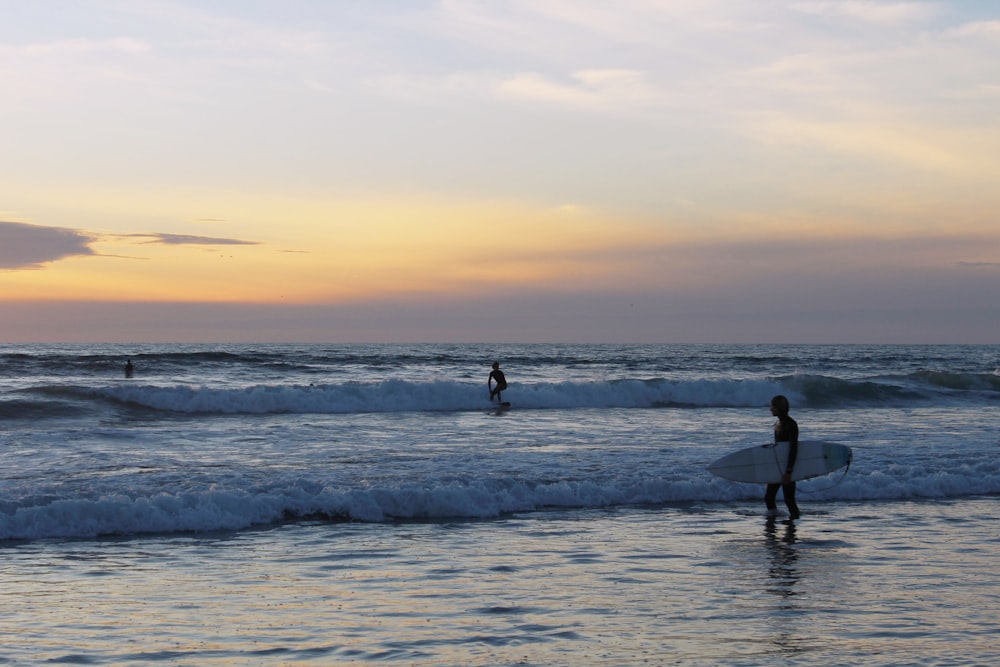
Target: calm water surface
column 886, row 584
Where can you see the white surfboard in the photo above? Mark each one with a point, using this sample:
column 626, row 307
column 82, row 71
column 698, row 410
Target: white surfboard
column 765, row 464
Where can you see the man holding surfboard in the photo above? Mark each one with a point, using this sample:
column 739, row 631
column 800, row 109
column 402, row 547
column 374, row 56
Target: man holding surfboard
column 781, row 463
column 786, row 429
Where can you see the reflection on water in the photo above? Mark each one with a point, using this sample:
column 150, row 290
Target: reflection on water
column 783, row 576
column 859, row 584
column 780, row 539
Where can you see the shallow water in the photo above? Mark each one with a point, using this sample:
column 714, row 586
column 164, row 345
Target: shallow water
column 876, row 584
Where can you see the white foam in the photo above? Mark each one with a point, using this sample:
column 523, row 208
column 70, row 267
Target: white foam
column 440, row 395
column 491, row 495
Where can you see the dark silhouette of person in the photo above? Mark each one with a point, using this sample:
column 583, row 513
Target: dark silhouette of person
column 129, row 369
column 497, row 375
column 786, row 429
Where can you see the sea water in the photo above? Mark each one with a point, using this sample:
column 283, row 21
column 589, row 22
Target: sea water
column 352, row 504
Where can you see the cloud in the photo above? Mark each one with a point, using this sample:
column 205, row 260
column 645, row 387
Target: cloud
column 75, row 48
column 980, row 265
column 608, row 89
column 187, row 239
column 37, row 74
column 871, row 12
column 989, row 29
column 511, row 316
column 24, row 246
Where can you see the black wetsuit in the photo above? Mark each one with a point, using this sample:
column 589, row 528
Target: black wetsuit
column 496, row 374
column 786, row 429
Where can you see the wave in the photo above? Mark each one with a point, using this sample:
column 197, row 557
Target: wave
column 411, row 396
column 33, row 410
column 809, row 391
column 228, row 509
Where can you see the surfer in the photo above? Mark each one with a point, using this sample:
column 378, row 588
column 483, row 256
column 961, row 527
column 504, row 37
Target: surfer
column 786, row 429
column 129, row 369
column 496, row 374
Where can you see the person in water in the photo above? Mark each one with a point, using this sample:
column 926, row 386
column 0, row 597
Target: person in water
column 129, row 369
column 786, row 429
column 496, row 374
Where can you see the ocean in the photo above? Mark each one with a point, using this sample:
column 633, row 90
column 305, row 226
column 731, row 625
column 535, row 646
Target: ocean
column 359, row 504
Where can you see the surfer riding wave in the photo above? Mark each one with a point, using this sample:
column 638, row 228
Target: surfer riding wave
column 496, row 375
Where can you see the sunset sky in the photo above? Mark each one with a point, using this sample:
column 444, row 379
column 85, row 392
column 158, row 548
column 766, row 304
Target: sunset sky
column 500, row 171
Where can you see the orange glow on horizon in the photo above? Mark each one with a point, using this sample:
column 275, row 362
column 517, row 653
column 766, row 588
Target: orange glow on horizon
column 234, row 247
column 303, row 251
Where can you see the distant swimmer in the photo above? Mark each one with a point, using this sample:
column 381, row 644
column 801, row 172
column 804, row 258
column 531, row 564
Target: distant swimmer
column 496, row 374
column 129, row 369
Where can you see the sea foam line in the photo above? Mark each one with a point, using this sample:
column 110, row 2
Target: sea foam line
column 234, row 508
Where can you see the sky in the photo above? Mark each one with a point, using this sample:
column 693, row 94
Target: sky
column 661, row 171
